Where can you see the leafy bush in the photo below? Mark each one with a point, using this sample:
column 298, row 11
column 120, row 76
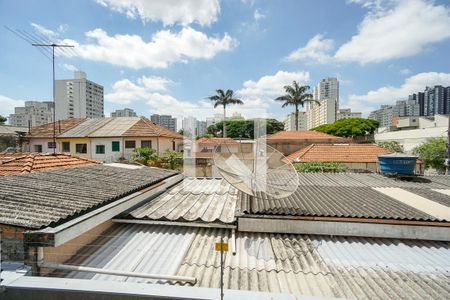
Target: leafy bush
column 317, row 166
column 392, row 146
column 172, row 159
column 351, row 127
column 144, row 155
column 433, row 152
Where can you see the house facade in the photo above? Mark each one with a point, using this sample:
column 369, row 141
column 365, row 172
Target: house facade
column 108, row 139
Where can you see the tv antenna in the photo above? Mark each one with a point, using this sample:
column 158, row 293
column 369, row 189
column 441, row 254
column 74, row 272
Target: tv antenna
column 262, row 172
column 42, row 43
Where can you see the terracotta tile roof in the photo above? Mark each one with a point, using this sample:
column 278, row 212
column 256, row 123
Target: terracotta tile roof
column 216, row 141
column 62, row 126
column 39, row 162
column 144, row 127
column 346, row 153
column 305, row 135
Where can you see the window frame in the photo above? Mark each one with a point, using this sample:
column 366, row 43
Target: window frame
column 113, row 148
column 51, row 145
column 146, row 141
column 130, row 141
column 63, row 149
column 101, row 147
column 81, row 144
column 38, row 146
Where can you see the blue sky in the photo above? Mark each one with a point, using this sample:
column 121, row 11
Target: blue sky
column 168, row 56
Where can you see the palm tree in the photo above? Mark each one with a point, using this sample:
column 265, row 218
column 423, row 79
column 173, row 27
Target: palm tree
column 224, row 98
column 296, row 95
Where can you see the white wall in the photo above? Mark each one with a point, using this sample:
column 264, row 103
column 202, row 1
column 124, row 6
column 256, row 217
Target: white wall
column 44, row 143
column 411, row 138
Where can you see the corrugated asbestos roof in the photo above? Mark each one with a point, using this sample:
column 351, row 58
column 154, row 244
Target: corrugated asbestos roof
column 40, row 199
column 11, row 130
column 116, row 127
column 358, row 268
column 85, row 128
column 207, row 200
column 62, row 126
column 349, row 195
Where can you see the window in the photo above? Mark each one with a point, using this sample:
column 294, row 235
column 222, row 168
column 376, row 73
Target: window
column 100, row 149
column 81, row 148
column 38, row 148
column 173, row 145
column 130, row 144
column 146, row 144
column 65, row 146
column 51, row 145
column 115, row 146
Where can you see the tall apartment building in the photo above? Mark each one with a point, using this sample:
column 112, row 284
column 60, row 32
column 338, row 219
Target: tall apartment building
column 327, row 92
column 78, row 98
column 384, row 115
column 346, row 113
column 436, row 100
column 289, row 122
column 201, row 128
column 165, row 121
column 126, row 112
column 34, row 113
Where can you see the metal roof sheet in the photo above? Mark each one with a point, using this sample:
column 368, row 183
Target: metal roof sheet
column 202, row 199
column 361, row 268
column 40, row 199
column 349, row 195
column 85, row 128
column 116, row 127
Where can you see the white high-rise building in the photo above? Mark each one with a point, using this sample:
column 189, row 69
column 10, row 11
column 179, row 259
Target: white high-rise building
column 327, row 92
column 165, row 120
column 34, row 113
column 346, row 113
column 289, row 122
column 126, row 112
column 78, row 98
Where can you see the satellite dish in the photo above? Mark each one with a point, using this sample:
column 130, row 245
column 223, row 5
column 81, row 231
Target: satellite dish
column 260, row 172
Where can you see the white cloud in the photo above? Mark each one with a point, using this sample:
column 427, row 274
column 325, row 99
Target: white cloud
column 48, row 33
column 405, row 71
column 272, row 85
column 389, row 94
column 69, row 67
column 169, row 12
column 390, row 30
column 7, row 105
column 44, row 31
column 258, row 15
column 316, row 49
column 165, row 47
column 154, row 83
column 403, row 31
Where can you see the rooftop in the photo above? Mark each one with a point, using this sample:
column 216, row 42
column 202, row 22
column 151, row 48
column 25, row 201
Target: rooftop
column 345, row 153
column 22, row 163
column 46, row 130
column 11, row 130
column 367, row 196
column 47, row 199
column 216, row 141
column 193, row 200
column 362, row 268
column 305, row 135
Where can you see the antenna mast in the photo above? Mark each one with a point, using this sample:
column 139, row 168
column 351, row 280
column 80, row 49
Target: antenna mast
column 53, row 45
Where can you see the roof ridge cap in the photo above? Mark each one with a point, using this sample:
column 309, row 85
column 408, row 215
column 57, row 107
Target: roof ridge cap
column 308, row 148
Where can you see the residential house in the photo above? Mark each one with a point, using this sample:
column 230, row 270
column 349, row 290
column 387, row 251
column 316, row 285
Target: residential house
column 110, row 139
column 356, row 157
column 288, row 142
column 353, row 236
column 40, row 138
column 24, row 163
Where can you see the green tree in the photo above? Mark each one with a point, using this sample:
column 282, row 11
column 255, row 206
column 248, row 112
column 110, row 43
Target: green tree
column 296, row 96
column 392, row 146
column 2, row 120
column 172, row 158
column 433, row 152
column 318, row 166
column 243, row 128
column 351, row 127
column 224, row 99
column 144, row 155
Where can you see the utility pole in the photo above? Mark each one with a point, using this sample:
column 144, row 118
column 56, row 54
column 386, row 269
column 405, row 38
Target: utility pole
column 53, row 45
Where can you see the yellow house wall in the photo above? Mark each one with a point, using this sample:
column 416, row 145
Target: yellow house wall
column 73, row 142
